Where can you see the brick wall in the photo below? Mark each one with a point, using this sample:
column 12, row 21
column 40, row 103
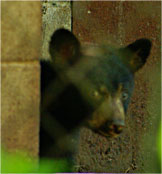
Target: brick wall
column 120, row 23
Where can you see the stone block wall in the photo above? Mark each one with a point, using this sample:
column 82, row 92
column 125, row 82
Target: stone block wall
column 20, row 81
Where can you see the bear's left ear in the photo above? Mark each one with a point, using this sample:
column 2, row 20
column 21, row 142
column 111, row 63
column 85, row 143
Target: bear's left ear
column 136, row 54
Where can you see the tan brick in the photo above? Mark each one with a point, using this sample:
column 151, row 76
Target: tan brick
column 21, row 30
column 55, row 15
column 20, row 107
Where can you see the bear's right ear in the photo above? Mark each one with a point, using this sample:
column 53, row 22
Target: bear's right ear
column 136, row 54
column 64, row 47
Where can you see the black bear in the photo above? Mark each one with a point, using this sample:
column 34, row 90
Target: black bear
column 85, row 86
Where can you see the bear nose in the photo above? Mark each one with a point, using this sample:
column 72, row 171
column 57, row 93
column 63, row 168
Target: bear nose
column 115, row 126
column 112, row 128
column 117, row 129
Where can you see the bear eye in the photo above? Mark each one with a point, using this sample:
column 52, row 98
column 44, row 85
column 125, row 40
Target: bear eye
column 124, row 96
column 95, row 93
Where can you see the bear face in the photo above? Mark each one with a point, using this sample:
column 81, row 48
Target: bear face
column 90, row 86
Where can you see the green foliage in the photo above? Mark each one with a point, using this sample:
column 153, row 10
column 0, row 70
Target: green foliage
column 50, row 166
column 152, row 139
column 159, row 143
column 20, row 162
column 17, row 162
